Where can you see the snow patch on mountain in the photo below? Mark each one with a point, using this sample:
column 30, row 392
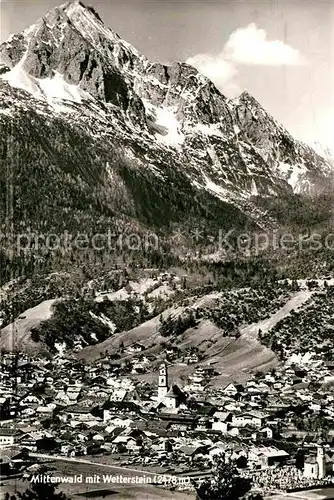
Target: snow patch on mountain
column 5, row 111
column 236, row 129
column 50, row 89
column 17, row 77
column 167, row 127
column 166, row 118
column 216, row 164
column 294, row 175
column 254, row 191
column 217, row 190
column 105, row 320
column 56, row 87
column 210, row 130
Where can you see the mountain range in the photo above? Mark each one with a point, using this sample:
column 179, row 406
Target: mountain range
column 95, row 136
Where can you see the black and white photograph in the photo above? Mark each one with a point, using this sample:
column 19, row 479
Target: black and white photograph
column 167, row 250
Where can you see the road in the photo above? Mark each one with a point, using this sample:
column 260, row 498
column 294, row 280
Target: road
column 90, row 462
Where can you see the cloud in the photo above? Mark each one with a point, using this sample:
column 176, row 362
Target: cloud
column 245, row 46
column 216, row 68
column 250, row 46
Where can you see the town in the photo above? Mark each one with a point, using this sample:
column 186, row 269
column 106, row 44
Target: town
column 278, row 427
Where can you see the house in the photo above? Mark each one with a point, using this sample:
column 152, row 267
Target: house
column 230, row 390
column 8, row 436
column 192, row 359
column 162, row 445
column 139, row 365
column 179, row 422
column 81, row 413
column 118, row 395
column 98, row 437
column 217, row 449
column 67, row 449
column 29, row 400
column 112, row 419
column 267, row 456
column 131, row 440
column 119, row 445
column 28, row 412
column 221, row 421
column 223, row 416
column 154, row 427
column 100, row 380
column 195, row 451
column 132, row 395
column 266, row 432
column 234, row 451
column 134, row 348
column 80, row 437
column 134, row 445
column 24, row 371
column 12, row 459
column 206, row 410
column 38, row 441
column 73, row 394
column 231, row 452
column 100, row 394
column 46, row 411
column 218, row 425
column 250, row 419
column 62, row 399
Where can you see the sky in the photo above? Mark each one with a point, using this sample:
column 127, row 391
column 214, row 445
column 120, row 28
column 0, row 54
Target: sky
column 281, row 51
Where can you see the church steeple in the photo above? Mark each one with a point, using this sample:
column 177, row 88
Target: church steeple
column 163, row 381
column 321, row 461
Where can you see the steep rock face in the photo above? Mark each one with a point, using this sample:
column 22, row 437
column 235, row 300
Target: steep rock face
column 155, row 144
column 295, row 162
column 195, row 98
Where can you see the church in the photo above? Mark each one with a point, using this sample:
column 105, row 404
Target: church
column 171, row 397
column 318, row 466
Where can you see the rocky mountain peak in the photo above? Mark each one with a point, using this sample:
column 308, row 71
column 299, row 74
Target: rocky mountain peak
column 77, row 6
column 73, row 10
column 248, row 108
column 84, row 18
column 248, row 98
column 72, row 41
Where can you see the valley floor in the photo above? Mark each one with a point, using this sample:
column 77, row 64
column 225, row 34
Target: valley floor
column 324, row 494
column 99, row 490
